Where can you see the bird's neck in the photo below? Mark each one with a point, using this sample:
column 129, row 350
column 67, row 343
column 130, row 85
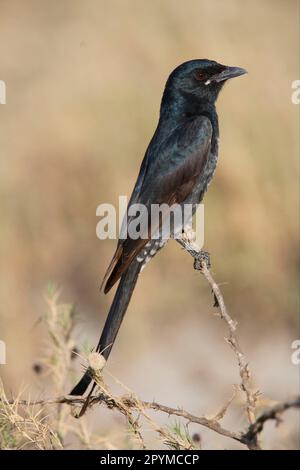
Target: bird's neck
column 173, row 111
column 186, row 105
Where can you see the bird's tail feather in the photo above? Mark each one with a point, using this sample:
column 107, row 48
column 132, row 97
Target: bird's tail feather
column 113, row 322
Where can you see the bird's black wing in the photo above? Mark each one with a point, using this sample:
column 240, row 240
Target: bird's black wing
column 169, row 177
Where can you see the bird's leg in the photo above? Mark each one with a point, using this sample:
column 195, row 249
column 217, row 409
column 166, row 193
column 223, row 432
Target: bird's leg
column 200, row 258
column 187, row 239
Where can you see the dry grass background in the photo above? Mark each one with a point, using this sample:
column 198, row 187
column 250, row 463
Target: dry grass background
column 84, row 80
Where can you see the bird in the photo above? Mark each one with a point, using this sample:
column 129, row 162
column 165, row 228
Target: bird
column 177, row 168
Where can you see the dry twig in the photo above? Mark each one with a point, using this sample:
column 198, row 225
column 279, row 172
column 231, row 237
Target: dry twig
column 126, row 403
column 129, row 404
column 187, row 241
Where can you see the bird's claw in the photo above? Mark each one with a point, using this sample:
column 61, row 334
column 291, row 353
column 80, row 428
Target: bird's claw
column 202, row 257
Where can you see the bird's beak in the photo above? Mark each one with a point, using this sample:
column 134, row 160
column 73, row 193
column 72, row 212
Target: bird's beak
column 227, row 73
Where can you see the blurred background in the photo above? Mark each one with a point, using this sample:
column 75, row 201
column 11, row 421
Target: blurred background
column 84, row 81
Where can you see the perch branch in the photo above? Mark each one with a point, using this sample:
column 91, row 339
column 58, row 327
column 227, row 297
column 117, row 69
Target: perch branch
column 187, row 241
column 126, row 404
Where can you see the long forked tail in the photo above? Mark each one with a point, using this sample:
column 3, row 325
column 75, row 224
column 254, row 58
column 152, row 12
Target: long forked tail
column 113, row 321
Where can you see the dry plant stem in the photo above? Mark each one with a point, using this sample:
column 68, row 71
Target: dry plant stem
column 249, row 438
column 272, row 413
column 127, row 404
column 132, row 403
column 188, row 243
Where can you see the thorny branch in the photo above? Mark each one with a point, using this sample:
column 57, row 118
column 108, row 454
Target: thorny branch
column 127, row 404
column 201, row 263
column 271, row 413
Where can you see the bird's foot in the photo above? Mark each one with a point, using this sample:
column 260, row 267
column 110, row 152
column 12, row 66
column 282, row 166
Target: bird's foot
column 202, row 258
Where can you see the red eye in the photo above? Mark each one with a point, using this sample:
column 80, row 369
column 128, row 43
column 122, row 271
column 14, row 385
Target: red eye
column 199, row 75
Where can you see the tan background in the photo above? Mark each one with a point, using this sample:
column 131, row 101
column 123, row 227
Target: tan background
column 84, row 81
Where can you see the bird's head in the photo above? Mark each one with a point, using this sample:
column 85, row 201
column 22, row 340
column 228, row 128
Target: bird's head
column 201, row 79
